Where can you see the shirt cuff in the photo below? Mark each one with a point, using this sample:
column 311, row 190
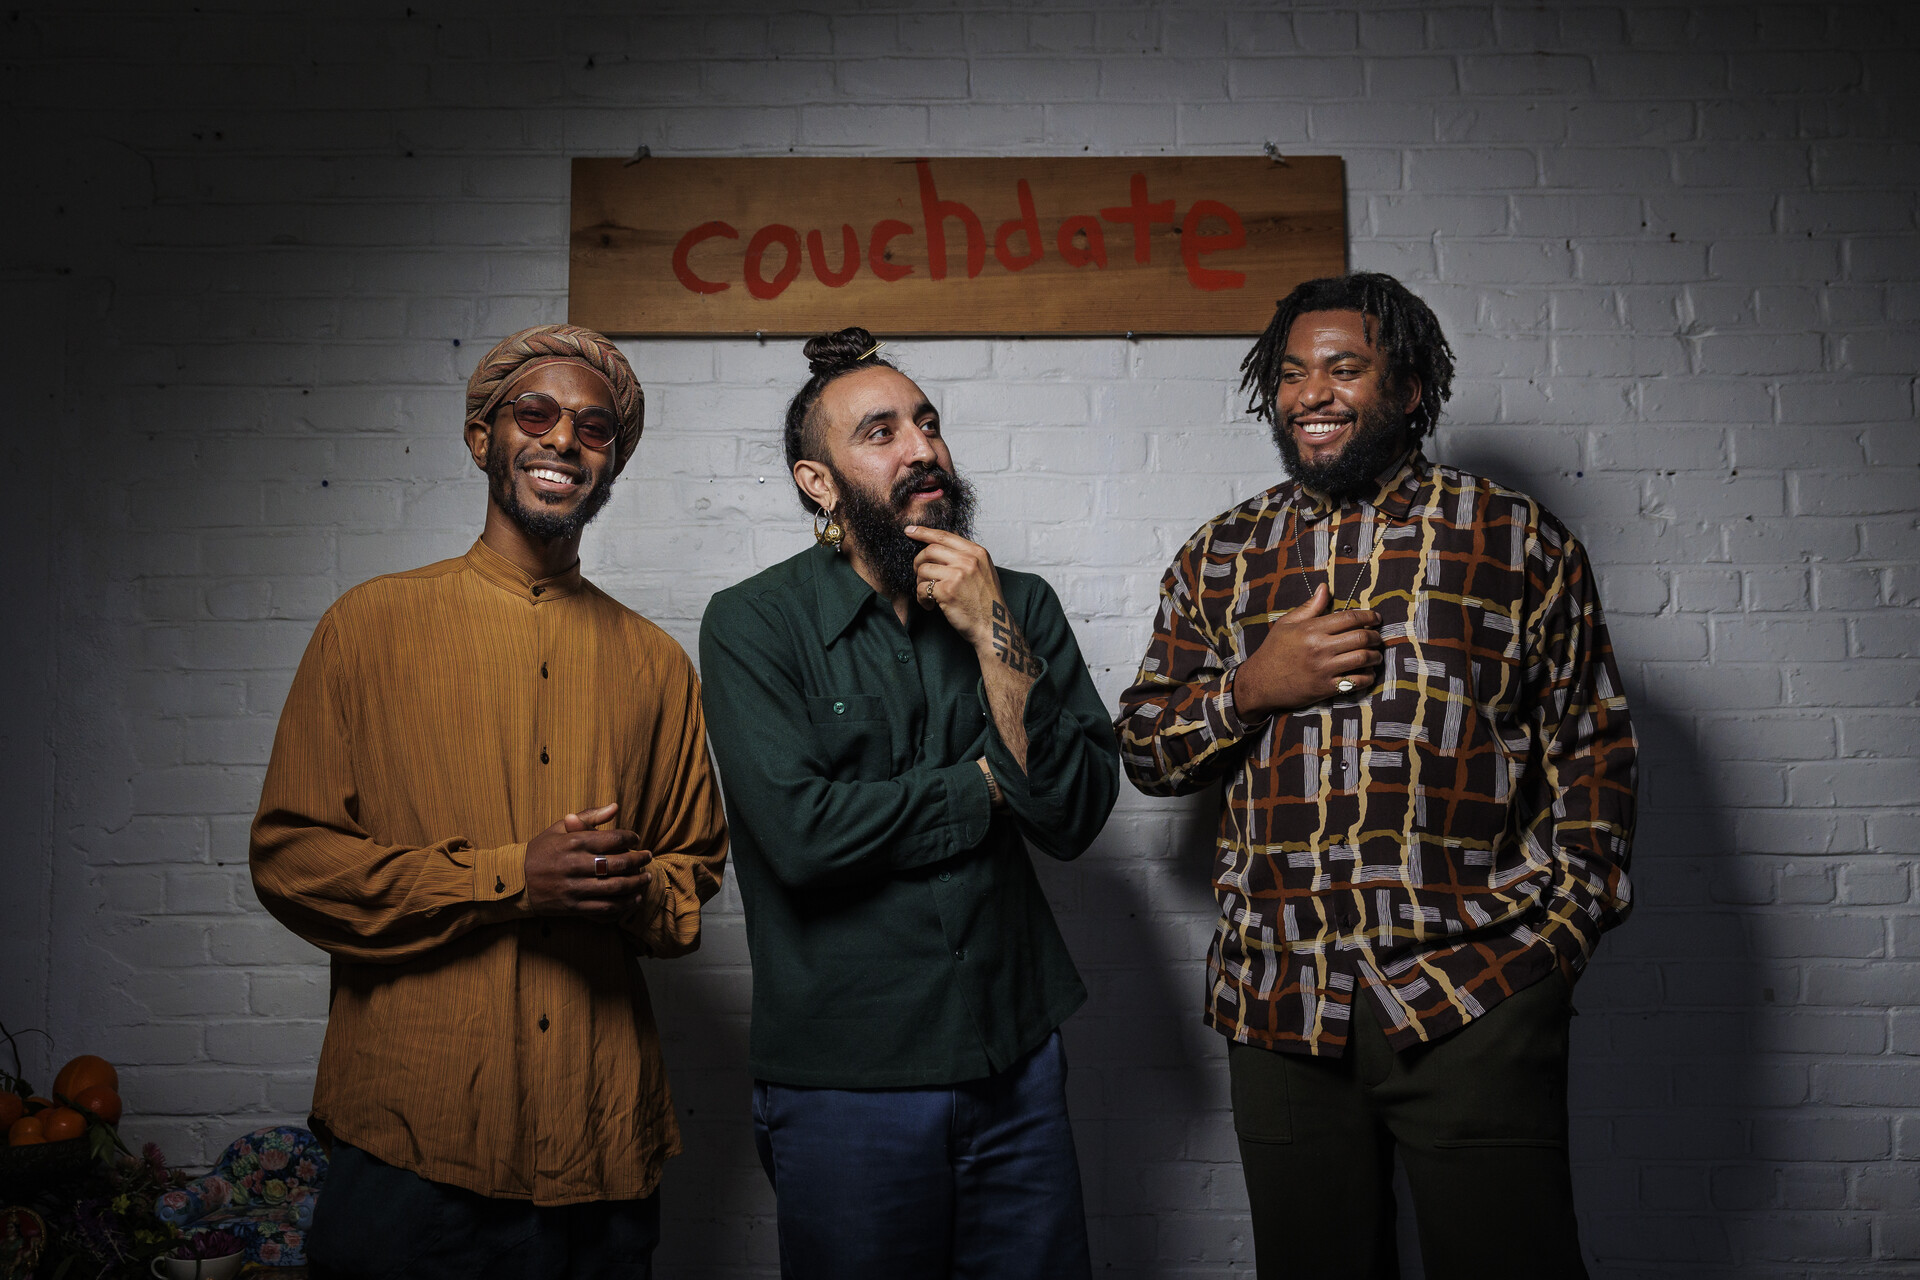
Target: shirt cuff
column 1229, row 712
column 970, row 802
column 499, row 874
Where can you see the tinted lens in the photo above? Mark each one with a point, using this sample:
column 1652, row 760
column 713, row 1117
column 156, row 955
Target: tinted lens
column 536, row 413
column 595, row 428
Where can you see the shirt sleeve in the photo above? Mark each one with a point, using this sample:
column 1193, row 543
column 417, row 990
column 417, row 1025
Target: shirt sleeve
column 1062, row 799
column 324, row 877
column 1582, row 792
column 1178, row 725
column 813, row 827
column 683, row 823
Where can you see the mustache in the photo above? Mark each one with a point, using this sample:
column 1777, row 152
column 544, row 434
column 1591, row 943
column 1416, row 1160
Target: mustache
column 903, row 492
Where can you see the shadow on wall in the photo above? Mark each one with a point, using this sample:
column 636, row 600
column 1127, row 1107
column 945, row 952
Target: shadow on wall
column 1148, row 1092
column 1670, row 1104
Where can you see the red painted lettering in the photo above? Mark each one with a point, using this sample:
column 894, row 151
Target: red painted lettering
column 683, row 270
column 849, row 257
column 1193, row 244
column 878, row 255
column 773, row 233
column 936, row 212
column 1028, row 223
column 1095, row 249
column 1142, row 215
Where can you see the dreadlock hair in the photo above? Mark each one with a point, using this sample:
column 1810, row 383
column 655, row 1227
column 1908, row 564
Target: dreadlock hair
column 830, row 356
column 1401, row 326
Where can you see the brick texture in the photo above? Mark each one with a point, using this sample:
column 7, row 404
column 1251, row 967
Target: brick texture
column 257, row 249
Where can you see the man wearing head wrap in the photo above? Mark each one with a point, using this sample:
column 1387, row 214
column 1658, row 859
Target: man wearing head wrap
column 488, row 796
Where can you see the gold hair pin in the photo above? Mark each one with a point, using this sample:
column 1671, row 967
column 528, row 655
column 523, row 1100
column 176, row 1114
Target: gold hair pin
column 869, row 351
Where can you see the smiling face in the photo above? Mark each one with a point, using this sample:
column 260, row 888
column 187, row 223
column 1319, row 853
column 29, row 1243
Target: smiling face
column 1340, row 420
column 885, row 466
column 548, row 485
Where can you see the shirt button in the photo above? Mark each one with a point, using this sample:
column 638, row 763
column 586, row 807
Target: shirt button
column 961, row 954
column 539, row 591
column 903, row 656
column 839, row 708
column 543, row 671
column 543, row 755
column 946, row 875
column 499, row 885
column 543, row 1022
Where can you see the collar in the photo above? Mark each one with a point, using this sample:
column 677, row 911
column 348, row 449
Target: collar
column 512, row 579
column 1393, row 494
column 839, row 592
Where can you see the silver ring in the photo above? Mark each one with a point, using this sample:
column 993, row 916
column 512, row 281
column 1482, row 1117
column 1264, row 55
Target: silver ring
column 1344, row 685
column 599, row 868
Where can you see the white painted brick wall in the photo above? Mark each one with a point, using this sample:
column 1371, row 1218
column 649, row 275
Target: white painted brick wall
column 258, row 249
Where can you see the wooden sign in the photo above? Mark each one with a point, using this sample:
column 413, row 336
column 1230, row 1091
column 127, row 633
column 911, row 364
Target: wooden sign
column 1037, row 245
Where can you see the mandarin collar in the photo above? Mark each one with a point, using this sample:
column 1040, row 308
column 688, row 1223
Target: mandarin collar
column 514, row 580
column 1394, row 492
column 839, row 592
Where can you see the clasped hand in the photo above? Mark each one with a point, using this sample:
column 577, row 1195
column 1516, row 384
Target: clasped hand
column 1305, row 655
column 560, row 867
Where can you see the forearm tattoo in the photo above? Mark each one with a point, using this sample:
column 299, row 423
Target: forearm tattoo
column 1009, row 645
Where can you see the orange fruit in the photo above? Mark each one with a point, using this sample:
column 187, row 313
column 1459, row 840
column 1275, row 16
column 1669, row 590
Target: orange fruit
column 12, row 1107
column 25, row 1131
column 62, row 1123
column 84, row 1072
column 102, row 1101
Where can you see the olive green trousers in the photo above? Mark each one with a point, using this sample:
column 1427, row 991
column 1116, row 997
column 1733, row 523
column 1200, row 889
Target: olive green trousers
column 1477, row 1118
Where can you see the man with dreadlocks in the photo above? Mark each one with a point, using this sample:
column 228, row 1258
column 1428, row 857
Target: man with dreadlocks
column 898, row 719
column 488, row 795
column 1401, row 673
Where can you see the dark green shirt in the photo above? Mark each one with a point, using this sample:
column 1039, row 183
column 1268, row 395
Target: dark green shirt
column 898, row 934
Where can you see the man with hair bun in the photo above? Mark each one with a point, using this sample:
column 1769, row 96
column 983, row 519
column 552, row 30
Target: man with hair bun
column 1401, row 674
column 489, row 795
column 897, row 720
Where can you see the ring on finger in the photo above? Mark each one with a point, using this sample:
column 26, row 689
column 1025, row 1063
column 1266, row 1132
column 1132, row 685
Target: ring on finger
column 1344, row 685
column 926, row 591
column 599, row 867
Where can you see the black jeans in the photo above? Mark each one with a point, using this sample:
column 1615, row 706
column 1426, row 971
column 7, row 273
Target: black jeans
column 1479, row 1119
column 374, row 1221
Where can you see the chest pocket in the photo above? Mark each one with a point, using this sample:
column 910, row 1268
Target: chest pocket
column 853, row 734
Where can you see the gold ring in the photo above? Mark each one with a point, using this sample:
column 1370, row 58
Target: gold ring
column 926, row 591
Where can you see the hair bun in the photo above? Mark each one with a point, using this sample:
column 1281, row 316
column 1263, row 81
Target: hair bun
column 831, row 352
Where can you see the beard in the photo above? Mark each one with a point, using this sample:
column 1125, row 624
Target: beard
column 539, row 522
column 1379, row 438
column 875, row 522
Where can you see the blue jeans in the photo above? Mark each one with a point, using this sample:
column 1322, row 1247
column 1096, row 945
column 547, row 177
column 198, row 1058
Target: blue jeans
column 971, row 1181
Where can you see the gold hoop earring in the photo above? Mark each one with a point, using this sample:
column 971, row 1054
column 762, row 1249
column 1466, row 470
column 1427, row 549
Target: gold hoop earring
column 827, row 531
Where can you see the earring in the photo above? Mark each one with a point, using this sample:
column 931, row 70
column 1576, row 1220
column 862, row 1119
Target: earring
column 827, row 531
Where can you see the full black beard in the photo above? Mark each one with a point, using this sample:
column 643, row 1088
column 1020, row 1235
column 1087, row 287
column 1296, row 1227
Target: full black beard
column 1355, row 470
column 875, row 523
column 535, row 522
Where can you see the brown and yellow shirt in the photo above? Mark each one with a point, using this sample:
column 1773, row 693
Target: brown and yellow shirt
column 439, row 721
column 1443, row 834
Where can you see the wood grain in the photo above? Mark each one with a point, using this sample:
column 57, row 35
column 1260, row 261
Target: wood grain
column 629, row 219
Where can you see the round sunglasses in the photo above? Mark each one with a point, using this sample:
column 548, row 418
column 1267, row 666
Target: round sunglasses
column 537, row 413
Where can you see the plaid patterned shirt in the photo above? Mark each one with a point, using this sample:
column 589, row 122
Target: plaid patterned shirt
column 1445, row 833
